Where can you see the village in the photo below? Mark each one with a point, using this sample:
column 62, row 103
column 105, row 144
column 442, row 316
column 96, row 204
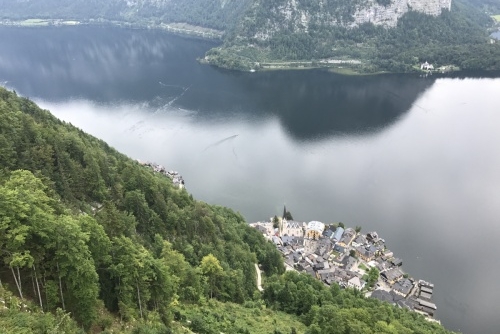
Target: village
column 177, row 179
column 341, row 255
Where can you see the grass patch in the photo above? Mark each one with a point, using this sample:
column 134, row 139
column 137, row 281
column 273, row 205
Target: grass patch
column 496, row 17
column 362, row 266
column 216, row 317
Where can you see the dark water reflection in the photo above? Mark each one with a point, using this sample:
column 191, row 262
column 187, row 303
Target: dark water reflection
column 145, row 66
column 414, row 158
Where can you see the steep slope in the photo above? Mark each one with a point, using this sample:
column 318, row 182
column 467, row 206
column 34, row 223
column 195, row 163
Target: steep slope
column 80, row 222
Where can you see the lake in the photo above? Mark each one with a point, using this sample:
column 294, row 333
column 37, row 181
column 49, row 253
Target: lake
column 414, row 158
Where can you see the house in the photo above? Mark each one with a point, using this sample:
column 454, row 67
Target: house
column 292, row 228
column 387, row 254
column 426, row 66
column 367, row 253
column 338, row 234
column 426, row 290
column 314, row 230
column 325, row 275
column 343, row 276
column 347, row 237
column 403, row 287
column 328, row 233
column 360, row 240
column 356, row 283
column 397, row 262
column 383, row 296
column 383, row 265
column 372, row 237
column 321, row 266
column 310, row 271
column 340, row 248
column 266, row 228
column 348, row 262
column 303, row 265
column 393, row 275
column 324, row 247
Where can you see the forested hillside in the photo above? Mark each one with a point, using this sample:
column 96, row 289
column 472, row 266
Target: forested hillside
column 457, row 37
column 82, row 222
column 216, row 14
column 99, row 242
column 368, row 36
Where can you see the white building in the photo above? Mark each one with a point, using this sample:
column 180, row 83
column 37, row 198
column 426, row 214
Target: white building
column 314, row 230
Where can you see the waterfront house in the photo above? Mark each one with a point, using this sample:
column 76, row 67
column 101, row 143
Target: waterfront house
column 426, row 66
column 397, row 262
column 374, row 238
column 403, row 287
column 393, row 275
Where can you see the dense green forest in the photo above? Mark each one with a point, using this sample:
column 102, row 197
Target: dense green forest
column 216, row 14
column 91, row 240
column 256, row 32
column 457, row 37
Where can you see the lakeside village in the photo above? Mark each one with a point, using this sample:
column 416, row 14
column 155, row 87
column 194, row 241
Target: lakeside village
column 336, row 254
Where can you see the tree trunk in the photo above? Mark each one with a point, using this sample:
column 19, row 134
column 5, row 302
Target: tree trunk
column 139, row 296
column 46, row 295
column 38, row 289
column 33, row 283
column 60, row 287
column 18, row 284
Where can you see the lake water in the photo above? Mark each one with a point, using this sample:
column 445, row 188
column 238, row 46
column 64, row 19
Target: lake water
column 413, row 158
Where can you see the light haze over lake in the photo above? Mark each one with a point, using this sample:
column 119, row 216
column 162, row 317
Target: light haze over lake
column 416, row 159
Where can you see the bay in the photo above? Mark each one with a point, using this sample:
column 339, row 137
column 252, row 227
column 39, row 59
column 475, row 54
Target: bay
column 414, row 158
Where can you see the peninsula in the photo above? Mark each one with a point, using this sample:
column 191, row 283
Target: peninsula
column 335, row 254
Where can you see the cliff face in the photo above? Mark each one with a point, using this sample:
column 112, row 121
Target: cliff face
column 265, row 17
column 388, row 15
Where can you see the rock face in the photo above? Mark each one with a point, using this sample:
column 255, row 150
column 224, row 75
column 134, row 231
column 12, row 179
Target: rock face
column 388, row 15
column 301, row 16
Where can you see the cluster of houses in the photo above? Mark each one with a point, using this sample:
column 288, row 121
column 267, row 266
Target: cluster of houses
column 335, row 254
column 177, row 179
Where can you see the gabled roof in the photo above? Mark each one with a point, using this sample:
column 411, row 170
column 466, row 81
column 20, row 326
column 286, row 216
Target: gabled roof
column 382, row 295
column 338, row 233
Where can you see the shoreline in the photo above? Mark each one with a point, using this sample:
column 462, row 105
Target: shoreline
column 182, row 29
column 347, row 67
